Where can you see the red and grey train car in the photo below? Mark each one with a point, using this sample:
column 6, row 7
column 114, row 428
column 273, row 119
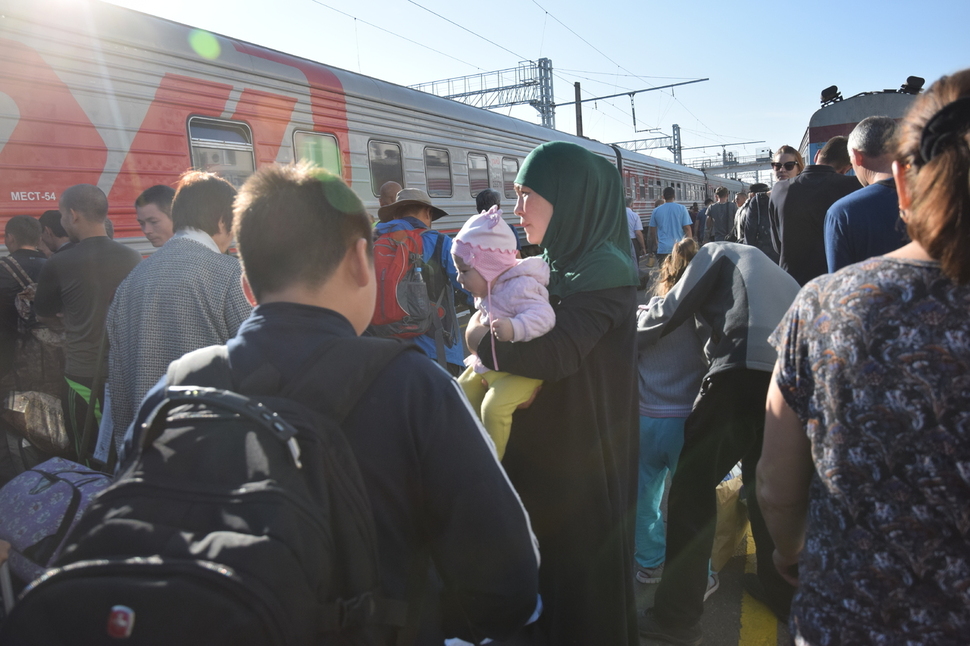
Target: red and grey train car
column 839, row 116
column 94, row 93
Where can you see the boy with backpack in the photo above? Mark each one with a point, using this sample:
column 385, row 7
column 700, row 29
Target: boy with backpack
column 411, row 216
column 453, row 553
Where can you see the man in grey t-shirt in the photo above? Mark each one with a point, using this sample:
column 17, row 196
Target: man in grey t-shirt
column 720, row 217
column 78, row 284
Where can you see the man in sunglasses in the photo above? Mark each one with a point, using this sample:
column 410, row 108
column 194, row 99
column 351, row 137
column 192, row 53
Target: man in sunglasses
column 797, row 210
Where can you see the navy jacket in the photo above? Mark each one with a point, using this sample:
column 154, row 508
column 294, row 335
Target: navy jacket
column 797, row 211
column 431, row 473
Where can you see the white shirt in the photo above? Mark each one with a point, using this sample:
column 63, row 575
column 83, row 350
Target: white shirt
column 634, row 222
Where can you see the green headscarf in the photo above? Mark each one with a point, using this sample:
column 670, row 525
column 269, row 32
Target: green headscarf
column 587, row 244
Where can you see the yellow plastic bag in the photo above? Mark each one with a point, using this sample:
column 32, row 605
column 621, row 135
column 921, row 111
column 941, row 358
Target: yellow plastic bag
column 732, row 522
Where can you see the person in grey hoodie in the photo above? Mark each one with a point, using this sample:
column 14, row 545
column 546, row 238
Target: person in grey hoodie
column 741, row 295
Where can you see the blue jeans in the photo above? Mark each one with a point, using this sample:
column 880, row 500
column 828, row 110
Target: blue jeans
column 660, row 442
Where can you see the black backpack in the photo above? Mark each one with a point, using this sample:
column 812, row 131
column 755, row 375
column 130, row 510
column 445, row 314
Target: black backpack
column 239, row 521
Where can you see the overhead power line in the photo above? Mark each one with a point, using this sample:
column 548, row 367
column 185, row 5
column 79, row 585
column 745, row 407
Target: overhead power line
column 388, row 31
column 463, row 28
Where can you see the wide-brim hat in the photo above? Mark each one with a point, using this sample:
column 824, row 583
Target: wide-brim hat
column 407, row 197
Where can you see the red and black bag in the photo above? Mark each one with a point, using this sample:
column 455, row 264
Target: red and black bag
column 410, row 301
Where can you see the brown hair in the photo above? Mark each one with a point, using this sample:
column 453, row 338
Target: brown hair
column 202, row 200
column 675, row 265
column 25, row 229
column 835, row 153
column 294, row 224
column 788, row 150
column 939, row 189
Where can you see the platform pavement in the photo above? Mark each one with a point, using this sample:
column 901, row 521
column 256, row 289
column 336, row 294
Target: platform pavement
column 731, row 616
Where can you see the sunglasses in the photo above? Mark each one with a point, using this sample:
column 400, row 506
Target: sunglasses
column 788, row 165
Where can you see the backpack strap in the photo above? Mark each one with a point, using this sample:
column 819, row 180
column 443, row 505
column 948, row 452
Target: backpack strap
column 322, row 382
column 206, row 366
column 13, row 267
column 437, row 323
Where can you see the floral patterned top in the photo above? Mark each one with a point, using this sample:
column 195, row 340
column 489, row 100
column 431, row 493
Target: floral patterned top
column 874, row 361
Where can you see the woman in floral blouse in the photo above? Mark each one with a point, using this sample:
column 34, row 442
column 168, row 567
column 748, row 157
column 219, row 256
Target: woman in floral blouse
column 864, row 480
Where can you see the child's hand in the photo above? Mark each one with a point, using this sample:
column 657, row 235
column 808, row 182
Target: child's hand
column 503, row 330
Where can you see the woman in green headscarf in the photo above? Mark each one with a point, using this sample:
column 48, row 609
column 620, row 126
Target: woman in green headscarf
column 572, row 454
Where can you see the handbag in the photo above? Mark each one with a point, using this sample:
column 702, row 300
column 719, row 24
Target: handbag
column 38, row 418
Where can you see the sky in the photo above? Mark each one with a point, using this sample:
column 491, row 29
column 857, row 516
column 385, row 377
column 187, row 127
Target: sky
column 767, row 61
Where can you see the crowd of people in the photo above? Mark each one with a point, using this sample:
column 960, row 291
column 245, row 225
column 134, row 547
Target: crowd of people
column 814, row 332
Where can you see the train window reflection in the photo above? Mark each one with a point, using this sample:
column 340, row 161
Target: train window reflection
column 510, row 168
column 477, row 173
column 222, row 147
column 385, row 164
column 437, row 172
column 319, row 149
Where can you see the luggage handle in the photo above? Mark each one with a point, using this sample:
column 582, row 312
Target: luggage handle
column 254, row 410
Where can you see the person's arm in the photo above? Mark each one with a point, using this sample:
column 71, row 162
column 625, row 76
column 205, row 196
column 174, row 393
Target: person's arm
column 581, row 321
column 535, row 316
column 687, row 223
column 652, row 239
column 784, row 474
column 734, row 235
column 774, row 224
column 680, row 303
column 474, row 330
column 640, row 238
column 47, row 299
column 480, row 536
column 836, row 240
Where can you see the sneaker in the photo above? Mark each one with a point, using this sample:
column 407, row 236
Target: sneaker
column 650, row 628
column 649, row 574
column 713, row 583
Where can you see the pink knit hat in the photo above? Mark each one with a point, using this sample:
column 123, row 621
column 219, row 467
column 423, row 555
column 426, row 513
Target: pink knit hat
column 486, row 243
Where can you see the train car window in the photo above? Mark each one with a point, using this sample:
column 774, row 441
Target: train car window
column 477, row 173
column 437, row 172
column 386, row 164
column 510, row 168
column 222, row 147
column 319, row 149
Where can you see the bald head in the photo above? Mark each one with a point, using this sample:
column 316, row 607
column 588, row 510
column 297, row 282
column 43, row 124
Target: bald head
column 87, row 201
column 389, row 191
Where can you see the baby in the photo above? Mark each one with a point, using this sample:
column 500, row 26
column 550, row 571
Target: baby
column 512, row 302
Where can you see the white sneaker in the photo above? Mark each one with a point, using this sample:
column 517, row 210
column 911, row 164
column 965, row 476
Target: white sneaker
column 649, row 575
column 713, row 583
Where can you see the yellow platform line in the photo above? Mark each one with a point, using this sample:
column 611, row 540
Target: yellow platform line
column 759, row 627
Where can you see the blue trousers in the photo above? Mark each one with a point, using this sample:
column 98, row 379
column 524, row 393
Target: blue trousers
column 661, row 439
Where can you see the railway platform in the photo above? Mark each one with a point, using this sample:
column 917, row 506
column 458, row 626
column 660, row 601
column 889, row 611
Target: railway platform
column 731, row 616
